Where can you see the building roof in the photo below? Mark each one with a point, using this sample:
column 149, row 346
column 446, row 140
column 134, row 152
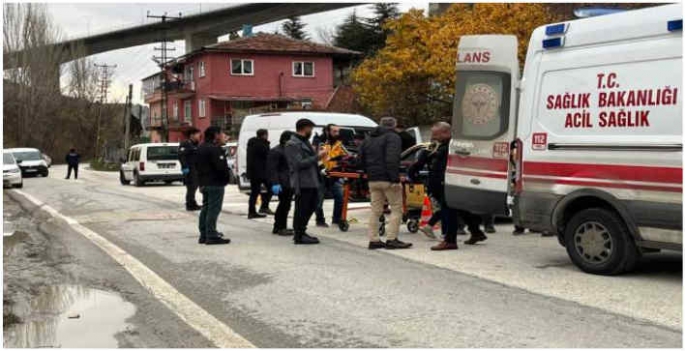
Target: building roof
column 276, row 43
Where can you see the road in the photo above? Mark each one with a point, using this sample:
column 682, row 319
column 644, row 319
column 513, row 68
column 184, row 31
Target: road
column 508, row 292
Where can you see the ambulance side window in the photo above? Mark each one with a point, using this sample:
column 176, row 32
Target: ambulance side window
column 481, row 104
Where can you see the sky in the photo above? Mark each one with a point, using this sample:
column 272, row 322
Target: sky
column 83, row 19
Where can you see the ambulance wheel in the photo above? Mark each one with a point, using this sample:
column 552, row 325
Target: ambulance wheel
column 344, row 226
column 413, row 226
column 598, row 242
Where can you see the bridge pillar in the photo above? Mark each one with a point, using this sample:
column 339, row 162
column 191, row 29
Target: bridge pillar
column 195, row 41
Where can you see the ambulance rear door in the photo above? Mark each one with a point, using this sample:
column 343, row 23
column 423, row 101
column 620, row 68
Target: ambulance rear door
column 483, row 123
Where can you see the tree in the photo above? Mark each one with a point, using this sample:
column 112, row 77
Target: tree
column 294, row 28
column 383, row 12
column 413, row 76
column 354, row 34
column 35, row 111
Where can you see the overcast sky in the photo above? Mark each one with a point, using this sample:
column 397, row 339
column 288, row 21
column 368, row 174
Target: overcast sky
column 134, row 63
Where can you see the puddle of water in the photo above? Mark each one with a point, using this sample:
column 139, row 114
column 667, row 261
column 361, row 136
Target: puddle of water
column 9, row 242
column 101, row 315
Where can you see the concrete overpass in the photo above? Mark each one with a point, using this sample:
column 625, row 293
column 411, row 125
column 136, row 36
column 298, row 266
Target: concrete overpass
column 197, row 30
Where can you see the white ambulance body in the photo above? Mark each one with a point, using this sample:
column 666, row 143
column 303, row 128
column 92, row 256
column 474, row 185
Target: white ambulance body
column 597, row 151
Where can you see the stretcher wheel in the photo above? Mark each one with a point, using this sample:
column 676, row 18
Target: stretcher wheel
column 413, row 226
column 344, row 226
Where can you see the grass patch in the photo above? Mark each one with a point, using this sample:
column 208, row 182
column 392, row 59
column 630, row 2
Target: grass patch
column 100, row 165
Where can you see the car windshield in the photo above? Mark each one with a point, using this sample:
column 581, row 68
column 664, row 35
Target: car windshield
column 7, row 158
column 156, row 153
column 27, row 155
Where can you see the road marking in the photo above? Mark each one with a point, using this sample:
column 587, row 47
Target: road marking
column 195, row 316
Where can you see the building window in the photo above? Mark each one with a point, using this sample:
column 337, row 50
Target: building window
column 202, row 68
column 202, row 108
column 175, row 109
column 241, row 67
column 303, row 69
column 187, row 111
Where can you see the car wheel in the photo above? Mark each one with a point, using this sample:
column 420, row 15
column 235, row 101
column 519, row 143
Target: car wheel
column 20, row 185
column 122, row 179
column 598, row 242
column 45, row 174
column 136, row 180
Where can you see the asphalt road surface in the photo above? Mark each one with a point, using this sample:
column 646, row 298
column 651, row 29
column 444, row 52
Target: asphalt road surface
column 507, row 292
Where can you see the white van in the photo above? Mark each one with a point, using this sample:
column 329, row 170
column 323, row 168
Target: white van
column 597, row 138
column 277, row 123
column 151, row 162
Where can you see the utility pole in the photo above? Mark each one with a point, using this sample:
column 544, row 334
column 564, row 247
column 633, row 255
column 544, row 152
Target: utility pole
column 127, row 117
column 105, row 80
column 163, row 59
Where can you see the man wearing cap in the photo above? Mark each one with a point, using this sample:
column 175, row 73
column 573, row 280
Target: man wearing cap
column 379, row 156
column 187, row 153
column 303, row 163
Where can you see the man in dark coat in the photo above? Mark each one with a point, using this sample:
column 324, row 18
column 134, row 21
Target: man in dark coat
column 279, row 172
column 379, row 156
column 72, row 159
column 449, row 217
column 213, row 174
column 257, row 154
column 187, row 154
column 303, row 162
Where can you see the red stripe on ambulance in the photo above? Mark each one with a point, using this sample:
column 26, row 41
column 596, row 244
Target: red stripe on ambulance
column 672, row 175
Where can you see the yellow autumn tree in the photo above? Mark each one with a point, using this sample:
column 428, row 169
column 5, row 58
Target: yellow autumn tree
column 413, row 76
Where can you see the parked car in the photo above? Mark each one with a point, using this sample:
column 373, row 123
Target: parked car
column 11, row 174
column 151, row 162
column 231, row 150
column 278, row 122
column 30, row 161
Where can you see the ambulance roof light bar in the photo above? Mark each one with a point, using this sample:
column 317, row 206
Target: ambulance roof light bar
column 586, row 12
column 675, row 25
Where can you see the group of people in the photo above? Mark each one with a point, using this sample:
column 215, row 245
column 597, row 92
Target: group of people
column 292, row 170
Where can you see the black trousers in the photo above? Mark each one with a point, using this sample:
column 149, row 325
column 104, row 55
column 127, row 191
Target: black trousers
column 75, row 168
column 450, row 222
column 256, row 190
column 285, row 199
column 191, row 188
column 305, row 205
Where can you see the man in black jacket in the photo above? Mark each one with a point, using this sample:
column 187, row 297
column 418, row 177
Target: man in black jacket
column 449, row 217
column 379, row 156
column 303, row 162
column 187, row 153
column 72, row 159
column 257, row 154
column 279, row 172
column 213, row 175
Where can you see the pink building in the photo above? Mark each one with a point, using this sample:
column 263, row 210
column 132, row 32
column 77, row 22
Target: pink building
column 221, row 83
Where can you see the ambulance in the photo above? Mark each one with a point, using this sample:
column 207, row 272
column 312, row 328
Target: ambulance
column 587, row 144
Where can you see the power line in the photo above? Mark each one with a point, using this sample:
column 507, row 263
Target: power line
column 163, row 60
